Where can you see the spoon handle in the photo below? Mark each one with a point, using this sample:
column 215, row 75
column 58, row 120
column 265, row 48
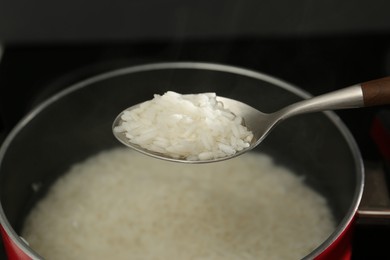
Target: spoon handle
column 376, row 92
column 370, row 93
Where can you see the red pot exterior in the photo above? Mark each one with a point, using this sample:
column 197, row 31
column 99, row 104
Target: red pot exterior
column 12, row 250
column 341, row 248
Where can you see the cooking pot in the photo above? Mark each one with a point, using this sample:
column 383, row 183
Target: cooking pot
column 76, row 123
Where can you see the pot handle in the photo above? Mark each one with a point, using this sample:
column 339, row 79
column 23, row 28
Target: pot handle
column 375, row 204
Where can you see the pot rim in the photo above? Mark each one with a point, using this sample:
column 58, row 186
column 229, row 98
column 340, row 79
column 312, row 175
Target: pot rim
column 339, row 230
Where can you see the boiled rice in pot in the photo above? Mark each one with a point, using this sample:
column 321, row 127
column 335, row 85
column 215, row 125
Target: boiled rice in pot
column 124, row 205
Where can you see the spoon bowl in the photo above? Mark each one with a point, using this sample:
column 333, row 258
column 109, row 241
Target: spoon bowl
column 371, row 93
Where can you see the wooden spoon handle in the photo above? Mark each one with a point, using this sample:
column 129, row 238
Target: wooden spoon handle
column 376, row 92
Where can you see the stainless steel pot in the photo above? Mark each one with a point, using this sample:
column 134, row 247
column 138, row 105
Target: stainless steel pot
column 76, row 123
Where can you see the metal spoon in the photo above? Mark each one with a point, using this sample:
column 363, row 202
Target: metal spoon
column 371, row 93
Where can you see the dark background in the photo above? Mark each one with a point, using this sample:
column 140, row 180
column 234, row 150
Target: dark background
column 318, row 46
column 135, row 20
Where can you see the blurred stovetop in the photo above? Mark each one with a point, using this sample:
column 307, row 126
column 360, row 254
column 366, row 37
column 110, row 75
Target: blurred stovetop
column 31, row 72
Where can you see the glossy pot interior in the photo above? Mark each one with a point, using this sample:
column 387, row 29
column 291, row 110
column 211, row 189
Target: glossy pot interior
column 76, row 123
